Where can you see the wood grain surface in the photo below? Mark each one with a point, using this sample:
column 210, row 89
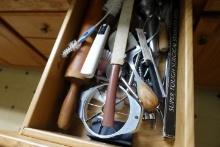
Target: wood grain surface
column 198, row 7
column 185, row 136
column 43, row 45
column 15, row 51
column 12, row 139
column 38, row 25
column 34, row 5
column 207, row 53
column 212, row 5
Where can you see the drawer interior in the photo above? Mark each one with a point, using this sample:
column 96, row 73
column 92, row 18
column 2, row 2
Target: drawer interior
column 41, row 119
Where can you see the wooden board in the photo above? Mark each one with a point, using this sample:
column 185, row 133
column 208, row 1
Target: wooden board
column 212, row 5
column 34, row 5
column 62, row 138
column 185, row 80
column 15, row 52
column 41, row 25
column 198, row 6
column 207, row 53
column 2, row 62
column 12, row 139
column 42, row 45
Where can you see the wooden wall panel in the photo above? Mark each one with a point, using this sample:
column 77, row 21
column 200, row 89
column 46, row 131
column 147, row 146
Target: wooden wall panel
column 207, row 53
column 212, row 5
column 39, row 25
column 15, row 52
column 34, row 5
column 43, row 45
column 198, row 6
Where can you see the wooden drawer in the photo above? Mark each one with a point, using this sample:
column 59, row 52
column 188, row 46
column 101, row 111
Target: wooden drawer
column 41, row 118
column 207, row 53
column 14, row 51
column 33, row 5
column 35, row 25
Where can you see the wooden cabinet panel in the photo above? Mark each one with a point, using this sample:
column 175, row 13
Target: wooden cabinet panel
column 212, row 5
column 43, row 45
column 15, row 52
column 2, row 62
column 41, row 25
column 34, row 5
column 207, row 53
column 198, row 6
column 12, row 139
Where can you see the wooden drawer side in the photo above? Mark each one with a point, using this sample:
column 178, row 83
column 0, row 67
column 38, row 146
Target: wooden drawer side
column 52, row 79
column 185, row 81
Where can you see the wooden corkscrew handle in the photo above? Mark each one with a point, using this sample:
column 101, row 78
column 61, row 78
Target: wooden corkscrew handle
column 92, row 16
column 147, row 96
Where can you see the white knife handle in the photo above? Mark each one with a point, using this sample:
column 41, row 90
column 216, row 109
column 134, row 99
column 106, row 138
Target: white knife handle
column 90, row 65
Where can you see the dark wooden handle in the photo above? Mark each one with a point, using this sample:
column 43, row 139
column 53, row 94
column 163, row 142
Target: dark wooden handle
column 68, row 107
column 109, row 107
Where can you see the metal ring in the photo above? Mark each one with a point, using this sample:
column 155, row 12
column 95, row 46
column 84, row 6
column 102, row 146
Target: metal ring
column 133, row 120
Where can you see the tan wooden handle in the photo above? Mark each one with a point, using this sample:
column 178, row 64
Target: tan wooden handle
column 68, row 107
column 162, row 66
column 109, row 107
column 163, row 37
column 147, row 96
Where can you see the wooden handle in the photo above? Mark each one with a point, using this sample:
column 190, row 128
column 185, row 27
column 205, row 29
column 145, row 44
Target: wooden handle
column 163, row 38
column 68, row 107
column 109, row 107
column 147, row 96
column 93, row 15
column 162, row 66
column 74, row 68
